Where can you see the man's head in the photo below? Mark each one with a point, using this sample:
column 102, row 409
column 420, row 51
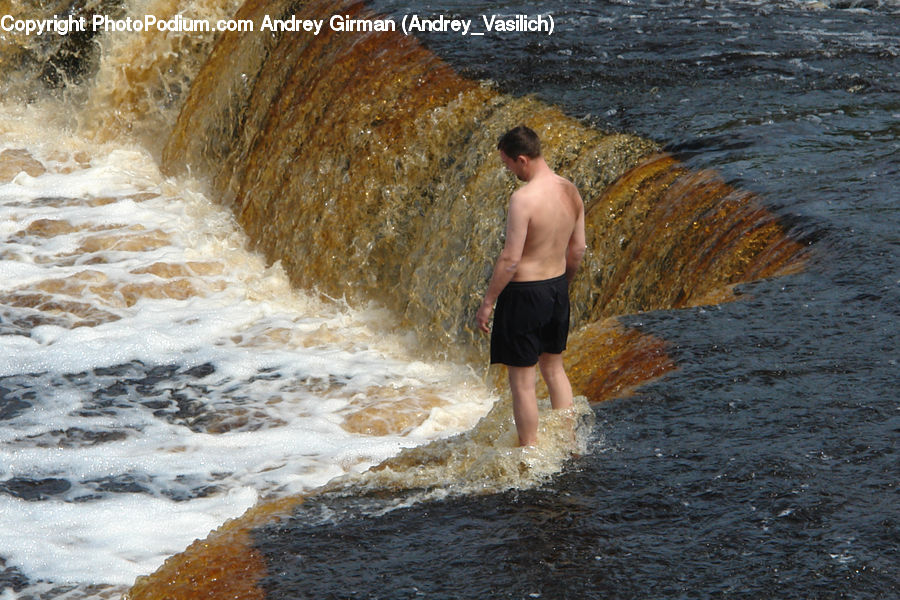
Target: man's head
column 520, row 141
column 520, row 151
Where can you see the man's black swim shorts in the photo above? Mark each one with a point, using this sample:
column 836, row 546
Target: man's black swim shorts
column 531, row 317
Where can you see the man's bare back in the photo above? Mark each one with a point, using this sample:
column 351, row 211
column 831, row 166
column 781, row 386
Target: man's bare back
column 552, row 207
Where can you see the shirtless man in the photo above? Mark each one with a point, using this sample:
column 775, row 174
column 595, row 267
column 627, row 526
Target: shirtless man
column 530, row 283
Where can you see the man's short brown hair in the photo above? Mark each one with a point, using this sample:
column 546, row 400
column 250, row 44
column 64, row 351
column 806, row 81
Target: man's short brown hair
column 518, row 141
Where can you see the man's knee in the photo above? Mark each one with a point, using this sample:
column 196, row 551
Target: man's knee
column 521, row 378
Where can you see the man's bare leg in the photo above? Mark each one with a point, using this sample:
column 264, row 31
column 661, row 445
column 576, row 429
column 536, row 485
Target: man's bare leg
column 557, row 381
column 524, row 397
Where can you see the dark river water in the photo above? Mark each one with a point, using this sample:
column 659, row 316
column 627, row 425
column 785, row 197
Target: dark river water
column 766, row 466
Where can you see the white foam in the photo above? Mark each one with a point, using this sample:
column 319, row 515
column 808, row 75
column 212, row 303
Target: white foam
column 96, row 541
